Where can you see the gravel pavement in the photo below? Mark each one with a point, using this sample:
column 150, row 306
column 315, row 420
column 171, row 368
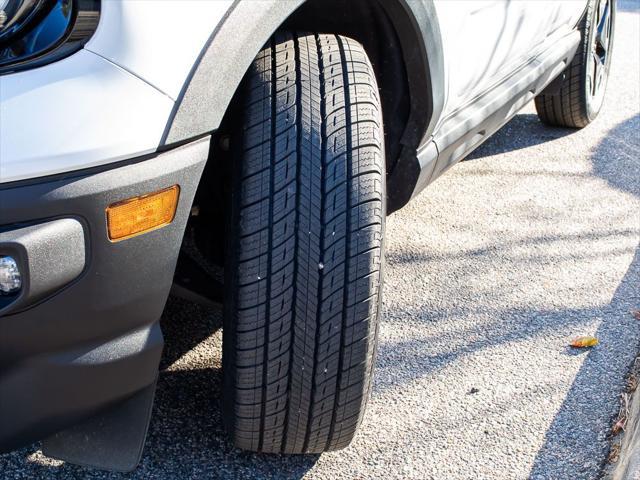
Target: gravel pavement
column 491, row 272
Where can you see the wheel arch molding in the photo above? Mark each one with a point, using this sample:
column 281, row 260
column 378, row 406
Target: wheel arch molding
column 412, row 83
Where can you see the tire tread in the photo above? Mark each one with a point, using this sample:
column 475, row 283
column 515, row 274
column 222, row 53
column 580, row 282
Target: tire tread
column 307, row 260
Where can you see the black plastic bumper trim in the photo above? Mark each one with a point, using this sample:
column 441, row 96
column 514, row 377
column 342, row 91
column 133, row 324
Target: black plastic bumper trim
column 49, row 256
column 95, row 342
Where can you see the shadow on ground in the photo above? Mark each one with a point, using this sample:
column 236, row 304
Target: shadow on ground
column 616, row 161
column 188, row 408
column 522, row 131
column 616, row 156
column 186, row 437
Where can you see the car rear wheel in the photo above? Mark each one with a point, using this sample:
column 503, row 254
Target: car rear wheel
column 578, row 99
column 305, row 259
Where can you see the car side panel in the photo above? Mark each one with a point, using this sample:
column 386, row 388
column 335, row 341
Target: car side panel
column 158, row 40
column 77, row 113
column 484, row 41
column 110, row 101
column 476, row 121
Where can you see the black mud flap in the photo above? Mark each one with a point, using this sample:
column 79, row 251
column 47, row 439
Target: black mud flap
column 112, row 440
column 555, row 85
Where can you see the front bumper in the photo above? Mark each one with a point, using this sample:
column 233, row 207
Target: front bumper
column 91, row 343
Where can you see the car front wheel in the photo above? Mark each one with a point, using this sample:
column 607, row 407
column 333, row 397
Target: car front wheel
column 305, row 259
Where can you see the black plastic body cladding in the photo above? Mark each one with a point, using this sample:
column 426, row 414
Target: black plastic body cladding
column 96, row 341
column 248, row 25
column 49, row 256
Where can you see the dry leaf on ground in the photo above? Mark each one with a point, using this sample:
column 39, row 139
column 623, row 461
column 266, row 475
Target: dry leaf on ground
column 584, row 342
column 614, row 453
column 619, row 426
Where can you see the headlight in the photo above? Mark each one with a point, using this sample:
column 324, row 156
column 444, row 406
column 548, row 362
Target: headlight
column 16, row 14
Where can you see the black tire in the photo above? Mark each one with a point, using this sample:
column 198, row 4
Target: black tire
column 576, row 102
column 305, row 263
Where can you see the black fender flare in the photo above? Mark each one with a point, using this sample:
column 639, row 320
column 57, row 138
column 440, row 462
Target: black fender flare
column 248, row 25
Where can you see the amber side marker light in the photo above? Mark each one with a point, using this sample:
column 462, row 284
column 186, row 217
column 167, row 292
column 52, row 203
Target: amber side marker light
column 142, row 214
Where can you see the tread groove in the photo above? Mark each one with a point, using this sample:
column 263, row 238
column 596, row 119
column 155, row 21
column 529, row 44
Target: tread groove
column 272, row 159
column 347, row 260
column 297, row 220
column 323, row 142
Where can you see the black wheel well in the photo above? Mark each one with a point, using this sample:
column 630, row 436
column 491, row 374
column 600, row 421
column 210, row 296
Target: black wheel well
column 376, row 32
column 368, row 23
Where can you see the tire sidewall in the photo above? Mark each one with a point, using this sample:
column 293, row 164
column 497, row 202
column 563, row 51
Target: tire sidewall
column 593, row 104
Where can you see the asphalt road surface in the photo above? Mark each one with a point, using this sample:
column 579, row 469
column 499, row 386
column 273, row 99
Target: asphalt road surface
column 491, row 272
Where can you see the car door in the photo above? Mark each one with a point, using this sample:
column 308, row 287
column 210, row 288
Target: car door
column 486, row 40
